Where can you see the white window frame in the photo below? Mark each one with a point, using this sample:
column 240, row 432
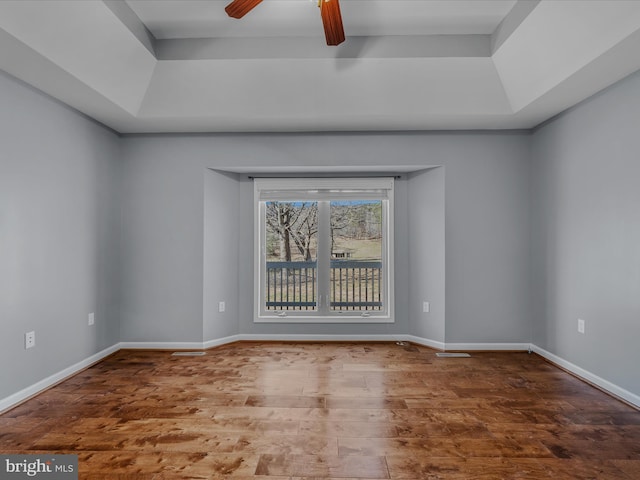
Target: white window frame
column 323, row 190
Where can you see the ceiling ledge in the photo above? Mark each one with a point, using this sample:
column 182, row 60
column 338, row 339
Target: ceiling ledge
column 511, row 22
column 314, row 124
column 293, row 171
column 557, row 40
column 129, row 19
column 31, row 67
column 399, row 46
column 86, row 40
column 604, row 71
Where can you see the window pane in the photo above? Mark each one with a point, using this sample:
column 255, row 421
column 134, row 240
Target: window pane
column 356, row 255
column 291, row 241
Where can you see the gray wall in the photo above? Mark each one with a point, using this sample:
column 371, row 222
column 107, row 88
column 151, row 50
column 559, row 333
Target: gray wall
column 586, row 234
column 487, row 215
column 221, row 253
column 59, row 236
column 162, row 242
column 427, row 269
column 487, row 235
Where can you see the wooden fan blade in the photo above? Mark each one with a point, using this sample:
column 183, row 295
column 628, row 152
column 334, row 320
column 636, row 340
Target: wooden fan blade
column 332, row 21
column 239, row 8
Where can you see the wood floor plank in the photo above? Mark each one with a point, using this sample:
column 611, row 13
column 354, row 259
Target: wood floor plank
column 171, row 464
column 319, row 466
column 270, row 410
column 285, row 401
column 366, row 429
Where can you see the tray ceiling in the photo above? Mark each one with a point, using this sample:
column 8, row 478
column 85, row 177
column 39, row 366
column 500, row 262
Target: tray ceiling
column 184, row 66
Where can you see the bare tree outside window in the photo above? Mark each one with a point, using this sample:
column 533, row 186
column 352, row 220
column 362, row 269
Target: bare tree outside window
column 291, row 223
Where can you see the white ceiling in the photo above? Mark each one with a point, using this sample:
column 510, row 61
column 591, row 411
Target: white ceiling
column 207, row 19
column 184, row 66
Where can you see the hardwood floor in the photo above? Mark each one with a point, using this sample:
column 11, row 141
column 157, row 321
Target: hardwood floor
column 343, row 410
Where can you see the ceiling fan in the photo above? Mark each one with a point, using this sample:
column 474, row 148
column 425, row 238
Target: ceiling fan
column 329, row 12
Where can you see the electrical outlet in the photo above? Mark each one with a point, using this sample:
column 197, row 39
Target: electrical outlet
column 92, row 319
column 221, row 306
column 29, row 340
column 580, row 325
column 425, row 307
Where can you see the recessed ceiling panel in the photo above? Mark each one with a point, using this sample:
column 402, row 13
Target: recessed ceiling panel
column 170, row 19
column 326, row 88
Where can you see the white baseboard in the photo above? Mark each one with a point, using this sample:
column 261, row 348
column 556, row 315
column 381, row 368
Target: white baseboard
column 386, row 338
column 18, row 397
column 424, row 341
column 319, row 338
column 256, row 337
column 605, row 385
column 221, row 341
column 162, row 345
column 248, row 337
column 491, row 347
column 466, row 346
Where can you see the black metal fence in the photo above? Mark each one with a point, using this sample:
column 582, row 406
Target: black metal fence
column 354, row 285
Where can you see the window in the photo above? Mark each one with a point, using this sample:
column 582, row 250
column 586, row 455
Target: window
column 325, row 249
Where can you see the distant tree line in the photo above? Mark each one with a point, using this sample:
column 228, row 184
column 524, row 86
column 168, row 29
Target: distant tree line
column 361, row 221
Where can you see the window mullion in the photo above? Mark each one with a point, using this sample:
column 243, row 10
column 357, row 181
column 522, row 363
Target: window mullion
column 324, row 257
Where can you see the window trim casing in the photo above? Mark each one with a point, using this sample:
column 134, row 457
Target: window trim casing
column 289, row 188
